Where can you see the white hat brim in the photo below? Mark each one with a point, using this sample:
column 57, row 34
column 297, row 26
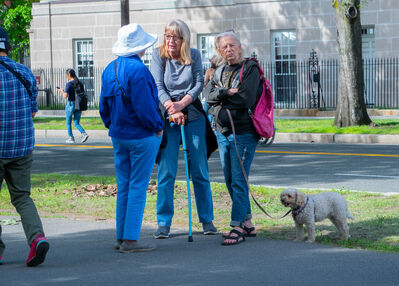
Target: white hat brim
column 120, row 49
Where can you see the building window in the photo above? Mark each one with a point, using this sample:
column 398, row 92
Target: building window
column 369, row 67
column 84, row 65
column 147, row 57
column 368, row 42
column 206, row 46
column 284, row 62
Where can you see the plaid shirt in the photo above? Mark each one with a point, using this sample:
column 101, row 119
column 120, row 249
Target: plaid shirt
column 17, row 135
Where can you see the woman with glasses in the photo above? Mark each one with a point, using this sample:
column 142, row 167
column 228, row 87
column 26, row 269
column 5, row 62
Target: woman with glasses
column 177, row 70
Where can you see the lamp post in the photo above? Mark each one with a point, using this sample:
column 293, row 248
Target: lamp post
column 124, row 12
column 314, row 77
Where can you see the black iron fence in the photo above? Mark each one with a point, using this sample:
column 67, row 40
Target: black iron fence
column 296, row 84
column 49, row 80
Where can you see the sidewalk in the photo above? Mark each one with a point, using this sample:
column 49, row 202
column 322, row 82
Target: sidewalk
column 81, row 253
column 280, row 137
column 323, row 138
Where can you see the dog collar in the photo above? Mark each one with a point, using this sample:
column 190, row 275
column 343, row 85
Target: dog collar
column 297, row 212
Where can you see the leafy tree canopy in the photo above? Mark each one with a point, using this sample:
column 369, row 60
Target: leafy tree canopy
column 15, row 17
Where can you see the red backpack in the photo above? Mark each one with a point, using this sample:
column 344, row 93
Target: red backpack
column 262, row 115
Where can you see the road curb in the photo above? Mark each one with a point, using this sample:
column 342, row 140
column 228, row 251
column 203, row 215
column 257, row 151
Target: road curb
column 329, row 138
column 321, row 138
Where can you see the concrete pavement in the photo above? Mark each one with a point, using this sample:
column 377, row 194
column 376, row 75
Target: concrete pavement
column 81, row 253
column 280, row 137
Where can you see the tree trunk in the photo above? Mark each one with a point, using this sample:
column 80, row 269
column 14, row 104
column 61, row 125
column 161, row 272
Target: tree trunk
column 351, row 109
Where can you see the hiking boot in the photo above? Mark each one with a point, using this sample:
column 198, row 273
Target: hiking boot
column 84, row 137
column 118, row 243
column 209, row 228
column 38, row 250
column 70, row 140
column 135, row 246
column 162, row 232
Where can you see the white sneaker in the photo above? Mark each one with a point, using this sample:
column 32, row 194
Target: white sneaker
column 70, row 140
column 84, row 138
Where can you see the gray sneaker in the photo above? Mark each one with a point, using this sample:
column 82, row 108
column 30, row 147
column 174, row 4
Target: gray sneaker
column 84, row 138
column 118, row 243
column 70, row 140
column 136, row 246
column 162, row 232
column 209, row 228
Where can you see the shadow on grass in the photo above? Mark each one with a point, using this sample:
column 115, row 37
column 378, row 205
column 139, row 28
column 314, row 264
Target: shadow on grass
column 380, row 234
column 387, row 124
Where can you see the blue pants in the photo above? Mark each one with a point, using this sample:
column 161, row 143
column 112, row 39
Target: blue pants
column 235, row 181
column 195, row 132
column 134, row 160
column 69, row 112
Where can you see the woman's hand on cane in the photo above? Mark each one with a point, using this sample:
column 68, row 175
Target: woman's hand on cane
column 178, row 118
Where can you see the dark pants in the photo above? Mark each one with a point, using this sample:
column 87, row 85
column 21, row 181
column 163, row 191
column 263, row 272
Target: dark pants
column 16, row 173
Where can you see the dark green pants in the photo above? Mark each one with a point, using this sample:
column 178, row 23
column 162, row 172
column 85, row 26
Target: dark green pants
column 16, row 173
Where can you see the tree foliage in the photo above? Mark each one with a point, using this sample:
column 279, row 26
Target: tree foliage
column 16, row 17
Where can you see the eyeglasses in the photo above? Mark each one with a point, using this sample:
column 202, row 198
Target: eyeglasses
column 175, row 38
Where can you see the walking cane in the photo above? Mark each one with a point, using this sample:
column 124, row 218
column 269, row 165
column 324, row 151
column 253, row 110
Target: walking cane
column 186, row 162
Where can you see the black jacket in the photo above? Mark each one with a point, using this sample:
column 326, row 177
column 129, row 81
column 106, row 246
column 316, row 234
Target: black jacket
column 249, row 91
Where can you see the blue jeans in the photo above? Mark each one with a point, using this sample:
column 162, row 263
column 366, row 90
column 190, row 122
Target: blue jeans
column 195, row 132
column 69, row 112
column 234, row 178
column 134, row 160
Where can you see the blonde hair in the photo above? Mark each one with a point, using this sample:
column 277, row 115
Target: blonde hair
column 224, row 35
column 180, row 29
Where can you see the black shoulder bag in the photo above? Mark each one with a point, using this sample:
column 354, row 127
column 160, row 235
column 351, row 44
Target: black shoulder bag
column 19, row 77
column 211, row 141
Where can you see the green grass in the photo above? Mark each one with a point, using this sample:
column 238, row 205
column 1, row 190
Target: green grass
column 375, row 227
column 384, row 126
column 58, row 123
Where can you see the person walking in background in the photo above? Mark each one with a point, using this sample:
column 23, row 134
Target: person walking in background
column 129, row 109
column 225, row 91
column 215, row 62
column 178, row 73
column 18, row 106
column 70, row 109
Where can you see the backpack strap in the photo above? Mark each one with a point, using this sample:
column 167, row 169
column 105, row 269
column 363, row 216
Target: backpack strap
column 124, row 97
column 19, row 77
column 261, row 73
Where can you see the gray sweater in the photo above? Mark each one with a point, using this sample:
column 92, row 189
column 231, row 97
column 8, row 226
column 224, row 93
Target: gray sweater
column 177, row 80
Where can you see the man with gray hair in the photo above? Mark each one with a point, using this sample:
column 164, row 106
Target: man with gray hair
column 18, row 106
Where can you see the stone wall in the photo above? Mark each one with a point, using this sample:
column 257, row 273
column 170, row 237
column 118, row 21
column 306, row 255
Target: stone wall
column 253, row 20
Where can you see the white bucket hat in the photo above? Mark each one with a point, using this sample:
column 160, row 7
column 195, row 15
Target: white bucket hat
column 132, row 40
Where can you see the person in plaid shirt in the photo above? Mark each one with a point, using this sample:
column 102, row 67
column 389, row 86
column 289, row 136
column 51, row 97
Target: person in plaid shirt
column 17, row 138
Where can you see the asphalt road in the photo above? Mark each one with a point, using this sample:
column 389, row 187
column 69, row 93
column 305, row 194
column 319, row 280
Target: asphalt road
column 372, row 168
column 81, row 253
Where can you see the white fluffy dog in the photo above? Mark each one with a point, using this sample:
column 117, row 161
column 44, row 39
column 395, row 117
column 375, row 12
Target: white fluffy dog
column 313, row 208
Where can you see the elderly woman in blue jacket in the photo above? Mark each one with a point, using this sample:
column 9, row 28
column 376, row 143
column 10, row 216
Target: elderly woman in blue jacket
column 129, row 109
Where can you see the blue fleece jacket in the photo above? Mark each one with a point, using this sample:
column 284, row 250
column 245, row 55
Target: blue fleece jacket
column 139, row 117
